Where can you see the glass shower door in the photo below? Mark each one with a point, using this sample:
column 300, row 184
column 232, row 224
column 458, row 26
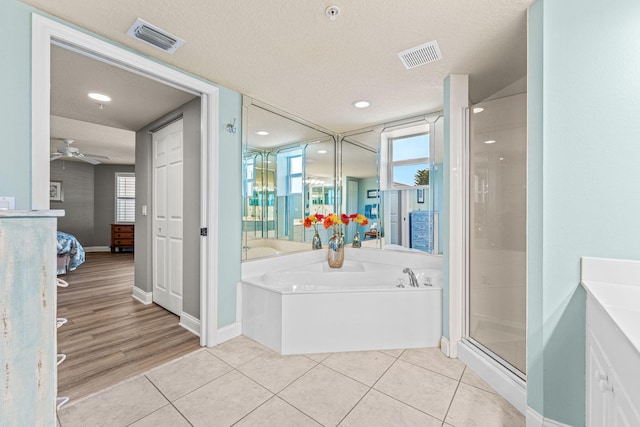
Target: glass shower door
column 497, row 230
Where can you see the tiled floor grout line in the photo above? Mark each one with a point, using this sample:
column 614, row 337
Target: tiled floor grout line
column 368, row 391
column 168, row 401
column 276, row 394
column 453, row 397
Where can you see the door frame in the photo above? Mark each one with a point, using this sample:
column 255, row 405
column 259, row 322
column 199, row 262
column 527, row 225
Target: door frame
column 45, row 32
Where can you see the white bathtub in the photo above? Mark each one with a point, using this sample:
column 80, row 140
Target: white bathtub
column 258, row 248
column 315, row 309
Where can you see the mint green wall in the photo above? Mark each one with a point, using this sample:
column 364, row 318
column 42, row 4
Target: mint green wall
column 15, row 102
column 230, row 202
column 583, row 167
column 444, row 217
column 15, row 163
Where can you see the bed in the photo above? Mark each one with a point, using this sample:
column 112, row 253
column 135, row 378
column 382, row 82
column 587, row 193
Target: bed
column 70, row 253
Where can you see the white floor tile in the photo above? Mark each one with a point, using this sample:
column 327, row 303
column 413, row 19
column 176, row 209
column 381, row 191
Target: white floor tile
column 275, row 372
column 186, row 374
column 324, row 395
column 364, row 366
column 473, row 407
column 379, row 410
column 421, row 388
column 167, row 416
column 276, row 412
column 434, row 360
column 120, row 405
column 223, row 401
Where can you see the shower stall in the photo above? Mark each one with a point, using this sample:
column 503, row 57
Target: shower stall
column 496, row 282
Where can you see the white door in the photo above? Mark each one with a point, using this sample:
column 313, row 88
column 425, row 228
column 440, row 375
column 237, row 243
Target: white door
column 167, row 217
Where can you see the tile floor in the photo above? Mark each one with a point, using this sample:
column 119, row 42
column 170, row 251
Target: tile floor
column 243, row 383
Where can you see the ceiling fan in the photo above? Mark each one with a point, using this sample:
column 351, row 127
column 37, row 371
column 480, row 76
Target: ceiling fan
column 71, row 152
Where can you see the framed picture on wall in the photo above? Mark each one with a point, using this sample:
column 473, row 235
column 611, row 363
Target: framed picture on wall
column 55, row 191
column 420, row 195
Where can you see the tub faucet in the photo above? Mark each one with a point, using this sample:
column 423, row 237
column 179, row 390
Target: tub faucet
column 413, row 281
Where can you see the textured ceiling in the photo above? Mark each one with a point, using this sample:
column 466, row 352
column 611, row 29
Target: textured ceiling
column 288, row 54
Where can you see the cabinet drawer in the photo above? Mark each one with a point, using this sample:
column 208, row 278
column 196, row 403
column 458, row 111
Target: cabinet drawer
column 123, row 242
column 122, row 228
column 123, row 235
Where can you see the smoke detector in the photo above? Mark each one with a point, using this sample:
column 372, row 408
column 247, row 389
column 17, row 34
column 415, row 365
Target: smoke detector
column 420, row 55
column 154, row 36
column 332, row 12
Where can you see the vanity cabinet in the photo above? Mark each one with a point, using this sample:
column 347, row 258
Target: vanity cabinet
column 613, row 372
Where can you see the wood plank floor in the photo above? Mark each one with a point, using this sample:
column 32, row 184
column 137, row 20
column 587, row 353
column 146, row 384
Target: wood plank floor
column 110, row 336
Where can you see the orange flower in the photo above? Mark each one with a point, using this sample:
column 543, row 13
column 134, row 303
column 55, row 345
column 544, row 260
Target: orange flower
column 308, row 222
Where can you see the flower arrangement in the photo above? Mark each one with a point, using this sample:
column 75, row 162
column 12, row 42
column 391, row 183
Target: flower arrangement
column 313, row 219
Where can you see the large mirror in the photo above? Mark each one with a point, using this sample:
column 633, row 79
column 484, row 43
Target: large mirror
column 392, row 174
column 359, row 185
column 411, row 180
column 289, row 172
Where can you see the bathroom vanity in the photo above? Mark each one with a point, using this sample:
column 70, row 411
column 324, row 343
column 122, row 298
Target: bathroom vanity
column 613, row 341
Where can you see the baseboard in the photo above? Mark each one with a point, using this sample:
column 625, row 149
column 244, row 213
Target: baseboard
column 534, row 419
column 444, row 346
column 190, row 323
column 144, row 297
column 510, row 387
column 228, row 332
column 97, row 249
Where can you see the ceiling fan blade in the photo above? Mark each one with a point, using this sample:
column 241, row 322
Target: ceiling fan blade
column 87, row 159
column 97, row 156
column 55, row 156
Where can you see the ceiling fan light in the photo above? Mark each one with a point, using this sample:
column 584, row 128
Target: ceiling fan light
column 99, row 97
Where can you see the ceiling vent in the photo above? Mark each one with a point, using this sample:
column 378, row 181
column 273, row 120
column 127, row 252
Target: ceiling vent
column 154, row 36
column 420, row 55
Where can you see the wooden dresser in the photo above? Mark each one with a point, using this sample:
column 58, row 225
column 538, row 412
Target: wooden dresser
column 122, row 236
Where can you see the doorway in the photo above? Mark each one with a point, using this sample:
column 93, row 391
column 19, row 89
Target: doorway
column 168, row 218
column 44, row 33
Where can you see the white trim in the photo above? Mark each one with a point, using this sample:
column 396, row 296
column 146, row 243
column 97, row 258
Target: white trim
column 534, row 419
column 44, row 31
column 507, row 384
column 144, row 297
column 239, row 302
column 459, row 101
column 97, row 249
column 190, row 323
column 444, row 346
column 230, row 331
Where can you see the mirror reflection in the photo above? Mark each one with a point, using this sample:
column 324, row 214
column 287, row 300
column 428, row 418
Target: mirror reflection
column 288, row 169
column 392, row 174
column 411, row 157
column 359, row 185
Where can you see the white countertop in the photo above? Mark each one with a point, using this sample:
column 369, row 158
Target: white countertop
column 615, row 285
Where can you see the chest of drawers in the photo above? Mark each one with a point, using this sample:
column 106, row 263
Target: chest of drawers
column 122, row 236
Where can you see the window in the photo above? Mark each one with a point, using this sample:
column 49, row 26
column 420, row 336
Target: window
column 295, row 175
column 125, row 197
column 409, row 160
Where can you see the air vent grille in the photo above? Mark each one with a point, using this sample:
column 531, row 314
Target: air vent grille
column 155, row 36
column 420, row 55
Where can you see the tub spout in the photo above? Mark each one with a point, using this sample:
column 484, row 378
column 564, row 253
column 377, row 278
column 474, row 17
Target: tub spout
column 413, row 280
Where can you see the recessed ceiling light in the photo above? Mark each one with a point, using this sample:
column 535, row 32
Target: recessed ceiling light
column 322, row 151
column 361, row 104
column 501, row 158
column 491, row 141
column 477, row 110
column 262, row 133
column 99, row 97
